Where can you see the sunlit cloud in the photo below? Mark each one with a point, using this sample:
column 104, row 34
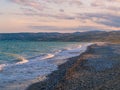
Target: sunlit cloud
column 31, row 3
column 75, row 14
column 1, row 13
column 106, row 19
column 62, row 29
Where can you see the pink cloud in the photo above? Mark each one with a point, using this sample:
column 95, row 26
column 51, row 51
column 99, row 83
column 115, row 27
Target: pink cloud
column 75, row 2
column 33, row 3
column 67, row 9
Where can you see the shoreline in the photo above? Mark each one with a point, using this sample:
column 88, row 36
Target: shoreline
column 17, row 83
column 67, row 75
column 58, row 74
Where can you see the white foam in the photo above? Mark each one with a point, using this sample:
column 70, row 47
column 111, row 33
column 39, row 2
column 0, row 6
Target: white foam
column 36, row 67
column 72, row 52
column 2, row 66
column 17, row 73
column 48, row 56
column 66, row 53
column 22, row 60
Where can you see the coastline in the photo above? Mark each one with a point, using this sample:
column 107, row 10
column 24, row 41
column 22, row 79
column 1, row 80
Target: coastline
column 77, row 73
column 19, row 77
column 57, row 75
column 54, row 77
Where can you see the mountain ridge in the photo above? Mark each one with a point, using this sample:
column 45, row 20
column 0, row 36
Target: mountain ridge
column 113, row 36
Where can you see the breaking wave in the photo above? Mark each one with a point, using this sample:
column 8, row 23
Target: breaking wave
column 30, row 68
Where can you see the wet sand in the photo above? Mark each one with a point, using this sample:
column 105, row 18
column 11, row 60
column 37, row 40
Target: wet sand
column 96, row 69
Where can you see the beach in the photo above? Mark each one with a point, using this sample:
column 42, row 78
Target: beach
column 59, row 44
column 25, row 63
column 95, row 69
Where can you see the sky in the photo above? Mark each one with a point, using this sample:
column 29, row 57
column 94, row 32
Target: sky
column 59, row 15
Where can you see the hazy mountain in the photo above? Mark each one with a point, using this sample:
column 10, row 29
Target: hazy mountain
column 113, row 36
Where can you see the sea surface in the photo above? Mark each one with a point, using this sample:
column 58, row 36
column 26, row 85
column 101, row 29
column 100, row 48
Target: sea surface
column 27, row 60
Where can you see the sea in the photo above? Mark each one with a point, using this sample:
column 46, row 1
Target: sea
column 31, row 61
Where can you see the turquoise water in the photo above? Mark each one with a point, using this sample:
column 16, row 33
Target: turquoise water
column 10, row 51
column 22, row 61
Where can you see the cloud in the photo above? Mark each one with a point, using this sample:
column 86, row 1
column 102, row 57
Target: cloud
column 44, row 4
column 55, row 1
column 97, row 4
column 107, row 4
column 28, row 12
column 31, row 3
column 31, row 12
column 77, row 2
column 105, row 19
column 61, row 10
column 53, row 28
column 1, row 13
column 104, row 13
column 37, row 7
column 81, row 28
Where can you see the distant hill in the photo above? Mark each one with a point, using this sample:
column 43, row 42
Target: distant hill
column 113, row 36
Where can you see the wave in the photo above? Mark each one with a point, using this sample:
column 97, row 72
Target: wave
column 60, row 54
column 48, row 56
column 22, row 60
column 19, row 58
column 37, row 66
column 2, row 66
